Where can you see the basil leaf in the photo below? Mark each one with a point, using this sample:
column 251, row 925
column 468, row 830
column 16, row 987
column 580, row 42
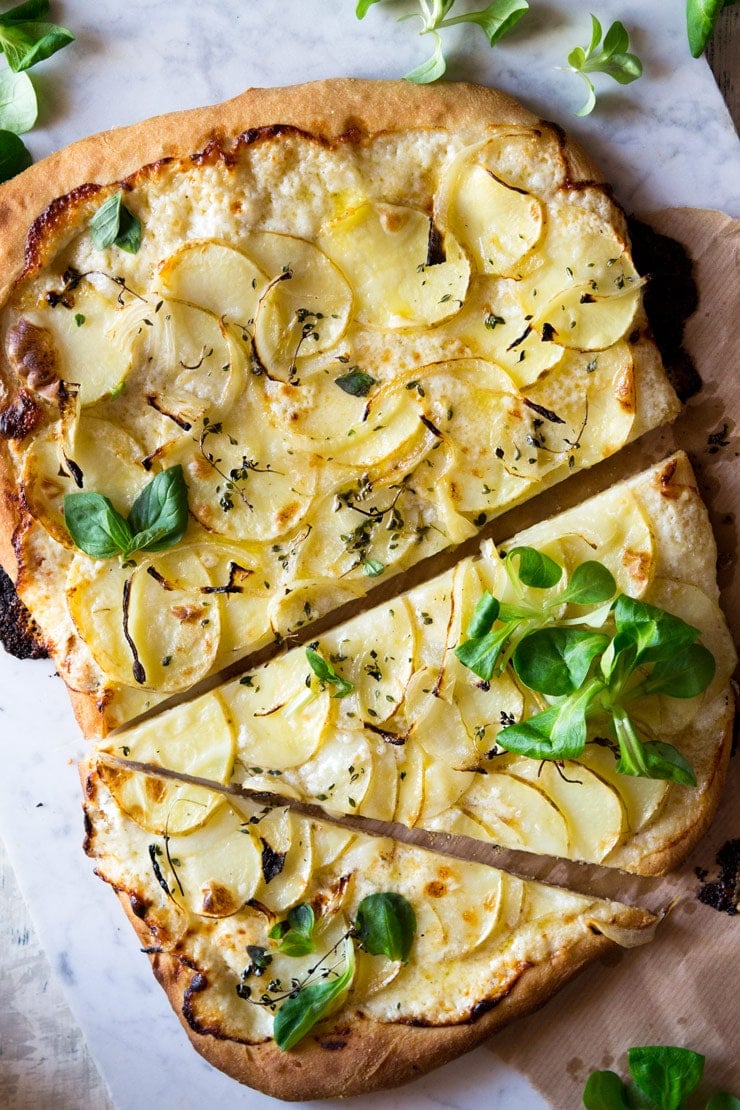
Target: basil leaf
column 326, row 673
column 14, row 155
column 26, row 43
column 484, row 617
column 302, row 1010
column 302, row 919
column 701, row 19
column 113, row 223
column 666, row 1074
column 159, row 515
column 556, row 661
column 604, row 1090
column 496, row 20
column 356, row 382
column 589, row 584
column 18, row 105
column 95, row 526
column 386, row 925
column 432, row 69
column 535, row 569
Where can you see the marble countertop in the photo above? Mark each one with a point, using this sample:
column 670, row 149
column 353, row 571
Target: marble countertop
column 666, row 140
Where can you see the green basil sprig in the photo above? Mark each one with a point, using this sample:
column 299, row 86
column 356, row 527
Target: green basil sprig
column 495, row 20
column 327, row 674
column 114, row 223
column 663, row 1078
column 613, row 59
column 590, row 668
column 157, row 520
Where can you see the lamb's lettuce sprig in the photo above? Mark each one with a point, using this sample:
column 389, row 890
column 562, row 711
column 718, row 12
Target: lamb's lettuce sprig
column 589, row 669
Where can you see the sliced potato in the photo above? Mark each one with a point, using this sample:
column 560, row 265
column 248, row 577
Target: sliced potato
column 340, row 771
column 517, row 814
column 215, row 277
column 383, row 250
column 213, row 870
column 305, row 307
column 581, row 319
column 496, row 224
column 175, row 741
column 280, row 717
column 642, row 798
column 287, row 859
column 173, row 619
column 592, row 808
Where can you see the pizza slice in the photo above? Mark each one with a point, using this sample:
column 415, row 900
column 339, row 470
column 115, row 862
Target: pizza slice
column 312, row 962
column 241, row 386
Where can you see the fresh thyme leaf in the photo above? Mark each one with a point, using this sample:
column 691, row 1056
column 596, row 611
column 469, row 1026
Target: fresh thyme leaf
column 18, row 105
column 326, row 673
column 114, row 223
column 666, row 1074
column 386, row 925
column 613, row 59
column 309, row 1004
column 355, row 382
column 14, row 155
column 158, row 518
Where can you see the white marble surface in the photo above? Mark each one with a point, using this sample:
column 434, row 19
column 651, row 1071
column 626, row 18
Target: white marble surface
column 665, row 140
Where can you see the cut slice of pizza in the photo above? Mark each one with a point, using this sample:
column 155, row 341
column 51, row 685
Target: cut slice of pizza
column 311, row 962
column 239, row 387
column 568, row 694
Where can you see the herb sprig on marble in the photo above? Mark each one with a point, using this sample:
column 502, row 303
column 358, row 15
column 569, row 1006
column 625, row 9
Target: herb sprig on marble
column 614, row 59
column 591, row 668
column 495, row 20
column 25, row 39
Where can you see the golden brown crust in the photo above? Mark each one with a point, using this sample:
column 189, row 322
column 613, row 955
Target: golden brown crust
column 348, row 1055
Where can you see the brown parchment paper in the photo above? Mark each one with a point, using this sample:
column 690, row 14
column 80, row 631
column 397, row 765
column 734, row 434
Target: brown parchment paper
column 684, row 987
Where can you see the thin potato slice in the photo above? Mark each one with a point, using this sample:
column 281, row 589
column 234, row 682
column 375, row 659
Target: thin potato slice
column 287, row 859
column 215, row 869
column 383, row 249
column 176, row 741
column 518, row 814
column 213, row 276
column 642, row 798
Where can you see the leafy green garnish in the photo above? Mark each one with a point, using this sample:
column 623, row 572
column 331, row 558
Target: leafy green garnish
column 701, row 19
column 664, row 1076
column 327, row 675
column 25, row 39
column 589, row 668
column 157, row 520
column 613, row 59
column 295, row 933
column 114, row 223
column 386, row 925
column 310, row 1003
column 495, row 21
column 355, row 382
column 18, row 105
column 14, row 155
